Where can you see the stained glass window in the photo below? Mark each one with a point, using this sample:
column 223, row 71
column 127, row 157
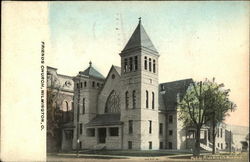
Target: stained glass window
column 113, row 103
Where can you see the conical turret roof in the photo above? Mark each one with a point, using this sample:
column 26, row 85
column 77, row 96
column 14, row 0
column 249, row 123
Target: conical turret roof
column 140, row 39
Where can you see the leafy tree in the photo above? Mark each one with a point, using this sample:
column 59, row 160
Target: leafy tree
column 198, row 104
column 192, row 110
column 218, row 108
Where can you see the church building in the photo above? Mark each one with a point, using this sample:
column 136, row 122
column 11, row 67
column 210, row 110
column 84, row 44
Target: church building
column 129, row 108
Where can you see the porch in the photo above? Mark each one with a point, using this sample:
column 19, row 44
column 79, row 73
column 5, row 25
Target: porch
column 104, row 132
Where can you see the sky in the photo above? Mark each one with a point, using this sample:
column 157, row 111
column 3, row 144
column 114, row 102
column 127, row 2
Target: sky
column 194, row 39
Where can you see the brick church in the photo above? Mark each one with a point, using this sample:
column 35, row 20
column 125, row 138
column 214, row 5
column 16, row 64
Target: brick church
column 129, row 109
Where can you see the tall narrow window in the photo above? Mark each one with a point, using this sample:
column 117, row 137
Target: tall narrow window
column 145, row 63
column 170, row 146
column 77, row 85
column 161, row 145
column 67, row 106
column 130, row 63
column 130, row 125
column 154, row 66
column 125, row 65
column 85, row 84
column 81, row 84
column 149, row 64
column 146, row 99
column 80, row 145
column 80, row 128
column 161, row 128
column 150, row 145
column 134, row 99
column 83, row 106
column 126, row 100
column 150, row 126
column 153, row 100
column 136, row 63
column 93, row 84
column 170, row 119
column 129, row 144
column 221, row 132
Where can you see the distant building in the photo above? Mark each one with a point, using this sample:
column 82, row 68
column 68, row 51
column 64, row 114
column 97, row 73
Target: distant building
column 60, row 128
column 129, row 109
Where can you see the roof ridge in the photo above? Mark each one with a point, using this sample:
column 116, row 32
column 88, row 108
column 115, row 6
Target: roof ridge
column 177, row 81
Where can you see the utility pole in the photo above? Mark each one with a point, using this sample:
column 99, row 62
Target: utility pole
column 230, row 143
column 78, row 108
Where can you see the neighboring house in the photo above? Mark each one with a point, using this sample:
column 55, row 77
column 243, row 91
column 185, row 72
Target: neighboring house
column 129, row 109
column 62, row 88
column 238, row 135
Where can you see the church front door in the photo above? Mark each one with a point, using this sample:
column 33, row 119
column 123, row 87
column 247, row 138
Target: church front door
column 102, row 135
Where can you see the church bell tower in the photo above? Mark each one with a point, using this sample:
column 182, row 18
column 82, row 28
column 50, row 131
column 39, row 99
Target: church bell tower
column 139, row 75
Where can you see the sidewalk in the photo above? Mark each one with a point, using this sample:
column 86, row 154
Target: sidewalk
column 63, row 157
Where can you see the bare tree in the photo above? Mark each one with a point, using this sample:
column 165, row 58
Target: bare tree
column 54, row 114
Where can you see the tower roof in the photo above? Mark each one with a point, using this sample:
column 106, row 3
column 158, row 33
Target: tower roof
column 91, row 71
column 140, row 39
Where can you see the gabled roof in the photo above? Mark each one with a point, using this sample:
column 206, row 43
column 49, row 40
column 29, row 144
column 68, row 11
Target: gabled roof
column 105, row 119
column 118, row 69
column 91, row 71
column 140, row 39
column 170, row 90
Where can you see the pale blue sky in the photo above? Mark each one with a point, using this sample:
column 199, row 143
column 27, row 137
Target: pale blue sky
column 195, row 39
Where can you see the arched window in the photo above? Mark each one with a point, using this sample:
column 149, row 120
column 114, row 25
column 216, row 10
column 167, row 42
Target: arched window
column 149, row 64
column 125, row 65
column 130, row 63
column 136, row 63
column 134, row 99
column 153, row 100
column 145, row 63
column 154, row 66
column 67, row 106
column 146, row 99
column 83, row 106
column 126, row 99
column 113, row 103
column 85, row 84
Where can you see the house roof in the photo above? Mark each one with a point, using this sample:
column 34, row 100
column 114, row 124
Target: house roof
column 105, row 119
column 91, row 71
column 140, row 39
column 170, row 90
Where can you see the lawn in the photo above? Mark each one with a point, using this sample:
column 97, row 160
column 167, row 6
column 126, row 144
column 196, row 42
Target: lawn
column 137, row 153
